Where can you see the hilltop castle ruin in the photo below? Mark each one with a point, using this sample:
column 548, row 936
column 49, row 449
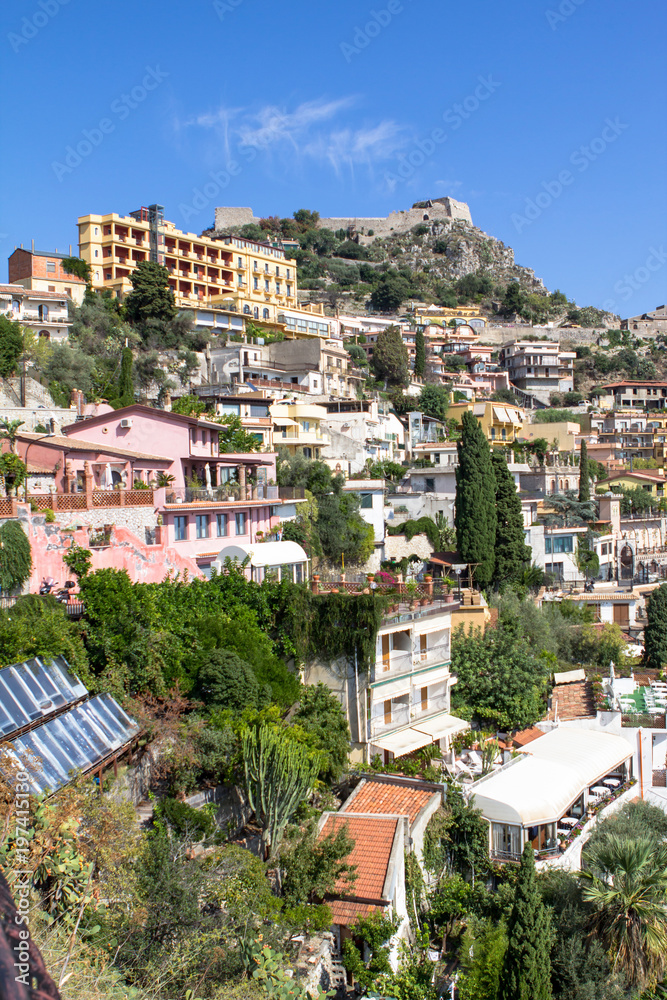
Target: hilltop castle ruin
column 441, row 209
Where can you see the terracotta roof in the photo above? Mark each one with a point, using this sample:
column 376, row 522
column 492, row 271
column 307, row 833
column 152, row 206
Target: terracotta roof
column 388, row 797
column 527, row 736
column 373, row 840
column 78, row 444
column 346, row 911
column 572, row 701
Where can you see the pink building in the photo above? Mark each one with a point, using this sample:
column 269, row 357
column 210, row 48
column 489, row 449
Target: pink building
column 108, row 464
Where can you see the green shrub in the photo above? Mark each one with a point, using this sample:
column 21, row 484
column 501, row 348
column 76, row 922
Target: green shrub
column 185, row 820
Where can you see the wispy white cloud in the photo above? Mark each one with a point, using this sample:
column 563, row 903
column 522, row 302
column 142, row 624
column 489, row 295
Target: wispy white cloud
column 307, row 132
column 450, row 185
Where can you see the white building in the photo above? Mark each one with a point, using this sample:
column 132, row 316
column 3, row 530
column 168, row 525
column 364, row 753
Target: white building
column 538, row 367
column 45, row 313
column 403, row 702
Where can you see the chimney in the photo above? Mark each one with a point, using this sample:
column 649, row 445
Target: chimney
column 167, row 401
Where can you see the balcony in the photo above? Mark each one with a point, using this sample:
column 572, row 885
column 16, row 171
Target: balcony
column 80, row 501
column 227, row 493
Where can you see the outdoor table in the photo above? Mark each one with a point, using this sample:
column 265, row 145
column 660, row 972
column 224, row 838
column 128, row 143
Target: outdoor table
column 568, row 821
column 611, row 782
column 600, row 790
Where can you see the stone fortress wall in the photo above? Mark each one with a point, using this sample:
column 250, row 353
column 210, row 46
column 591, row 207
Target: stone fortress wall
column 440, row 209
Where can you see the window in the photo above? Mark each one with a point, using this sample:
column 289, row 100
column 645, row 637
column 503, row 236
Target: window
column 68, row 291
column 240, row 261
column 506, row 839
column 255, row 283
column 287, row 272
column 288, row 288
column 97, row 253
column 277, row 287
column 255, row 312
column 430, row 485
column 202, row 525
column 265, row 313
column 267, row 286
column 240, row 523
column 50, row 267
column 180, row 528
column 366, row 501
column 277, row 271
column 96, row 231
column 561, row 543
column 387, row 712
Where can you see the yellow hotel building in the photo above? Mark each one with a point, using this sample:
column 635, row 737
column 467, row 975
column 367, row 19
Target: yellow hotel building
column 251, row 278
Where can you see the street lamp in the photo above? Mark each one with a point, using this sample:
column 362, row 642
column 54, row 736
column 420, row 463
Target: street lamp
column 458, row 569
column 50, row 433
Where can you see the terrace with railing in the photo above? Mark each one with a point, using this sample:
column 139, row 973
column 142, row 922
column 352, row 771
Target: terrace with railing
column 77, row 501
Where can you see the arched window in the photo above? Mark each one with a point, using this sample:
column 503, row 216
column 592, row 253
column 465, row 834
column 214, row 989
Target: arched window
column 43, row 313
column 255, row 313
column 425, row 218
column 265, row 313
column 246, row 309
column 45, row 334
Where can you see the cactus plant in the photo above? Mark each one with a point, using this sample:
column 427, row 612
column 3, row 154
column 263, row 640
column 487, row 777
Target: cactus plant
column 279, row 773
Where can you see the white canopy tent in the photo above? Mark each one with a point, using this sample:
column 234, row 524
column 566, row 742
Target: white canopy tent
column 265, row 556
column 540, row 787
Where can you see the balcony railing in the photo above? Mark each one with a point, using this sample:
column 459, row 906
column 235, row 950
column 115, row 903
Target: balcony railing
column 79, row 501
column 228, row 492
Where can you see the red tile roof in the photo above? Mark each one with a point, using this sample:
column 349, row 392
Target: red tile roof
column 373, row 841
column 527, row 736
column 389, row 797
column 346, row 911
column 573, row 701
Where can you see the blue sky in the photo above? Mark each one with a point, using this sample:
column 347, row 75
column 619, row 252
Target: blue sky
column 546, row 116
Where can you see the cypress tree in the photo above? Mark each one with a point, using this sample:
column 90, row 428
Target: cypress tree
column 655, row 633
column 420, row 354
column 475, row 518
column 584, row 475
column 125, row 383
column 526, row 971
column 512, row 553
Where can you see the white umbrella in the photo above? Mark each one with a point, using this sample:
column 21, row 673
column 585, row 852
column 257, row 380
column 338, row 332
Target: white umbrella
column 207, row 473
column 108, row 481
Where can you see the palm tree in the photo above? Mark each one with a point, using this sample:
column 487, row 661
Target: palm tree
column 9, row 431
column 626, row 882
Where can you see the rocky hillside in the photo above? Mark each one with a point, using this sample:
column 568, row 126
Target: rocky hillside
column 450, row 249
column 445, row 261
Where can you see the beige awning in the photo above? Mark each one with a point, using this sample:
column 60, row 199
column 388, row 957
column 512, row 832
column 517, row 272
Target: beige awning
column 421, row 734
column 442, row 725
column 284, row 422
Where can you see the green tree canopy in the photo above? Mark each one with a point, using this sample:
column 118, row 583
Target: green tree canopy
column 389, row 292
column 11, row 345
column 15, row 556
column 320, row 714
column 526, row 971
column 434, row 401
column 226, row 681
column 390, row 359
column 475, row 518
column 655, row 632
column 420, row 354
column 501, row 679
column 512, row 553
column 584, row 475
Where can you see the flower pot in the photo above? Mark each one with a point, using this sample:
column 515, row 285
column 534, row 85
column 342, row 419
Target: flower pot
column 449, row 598
column 424, row 601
